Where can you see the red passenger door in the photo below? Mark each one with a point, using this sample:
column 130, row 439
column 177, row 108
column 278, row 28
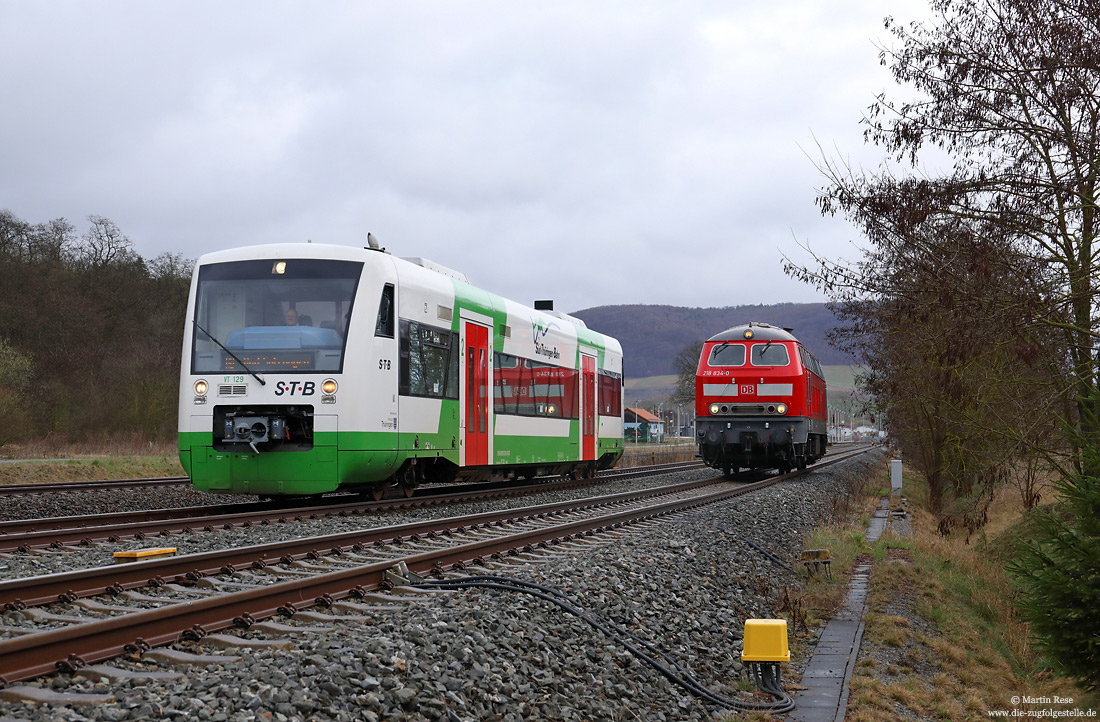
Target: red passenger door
column 477, row 394
column 588, row 408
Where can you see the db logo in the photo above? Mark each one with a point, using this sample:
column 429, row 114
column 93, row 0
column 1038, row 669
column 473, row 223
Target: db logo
column 747, row 390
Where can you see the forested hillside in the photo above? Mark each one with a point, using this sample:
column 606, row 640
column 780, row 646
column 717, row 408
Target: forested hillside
column 90, row 332
column 652, row 335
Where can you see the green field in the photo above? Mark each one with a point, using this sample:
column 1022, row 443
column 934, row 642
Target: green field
column 841, row 378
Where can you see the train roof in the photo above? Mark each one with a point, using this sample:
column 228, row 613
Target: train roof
column 353, row 253
column 763, row 331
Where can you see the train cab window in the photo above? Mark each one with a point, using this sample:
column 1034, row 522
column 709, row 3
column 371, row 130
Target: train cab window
column 254, row 312
column 727, row 354
column 383, row 325
column 769, row 353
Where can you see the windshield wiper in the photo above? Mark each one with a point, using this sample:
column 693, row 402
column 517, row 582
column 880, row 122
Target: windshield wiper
column 223, row 348
column 765, row 349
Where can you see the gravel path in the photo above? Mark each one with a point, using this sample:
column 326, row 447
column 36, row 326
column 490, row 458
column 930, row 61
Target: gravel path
column 490, row 655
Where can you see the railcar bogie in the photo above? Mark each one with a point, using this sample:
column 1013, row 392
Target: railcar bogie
column 408, row 375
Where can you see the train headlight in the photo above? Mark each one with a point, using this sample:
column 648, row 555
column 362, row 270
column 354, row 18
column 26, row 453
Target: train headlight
column 781, row 409
column 329, row 386
column 200, row 387
column 714, row 409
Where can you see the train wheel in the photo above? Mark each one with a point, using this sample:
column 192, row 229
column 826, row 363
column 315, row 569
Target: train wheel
column 408, row 491
column 378, row 492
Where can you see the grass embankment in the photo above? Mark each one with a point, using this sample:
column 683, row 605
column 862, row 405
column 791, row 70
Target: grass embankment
column 138, row 460
column 44, row 463
column 942, row 639
column 647, row 454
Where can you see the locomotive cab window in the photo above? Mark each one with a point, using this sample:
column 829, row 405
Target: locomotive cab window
column 770, row 354
column 727, row 354
column 290, row 316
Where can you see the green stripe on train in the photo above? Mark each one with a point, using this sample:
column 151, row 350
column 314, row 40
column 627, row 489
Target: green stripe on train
column 345, row 458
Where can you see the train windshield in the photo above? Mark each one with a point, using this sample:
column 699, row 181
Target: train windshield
column 727, row 354
column 770, row 354
column 274, row 315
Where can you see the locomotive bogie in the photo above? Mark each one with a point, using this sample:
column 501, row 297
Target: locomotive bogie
column 409, row 391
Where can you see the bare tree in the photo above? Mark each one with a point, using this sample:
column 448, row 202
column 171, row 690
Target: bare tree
column 1011, row 89
column 686, row 364
column 104, row 243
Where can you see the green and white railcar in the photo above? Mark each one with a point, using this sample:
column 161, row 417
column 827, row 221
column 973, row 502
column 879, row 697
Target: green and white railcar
column 399, row 372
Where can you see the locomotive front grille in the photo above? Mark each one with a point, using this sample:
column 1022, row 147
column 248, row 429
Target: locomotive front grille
column 232, row 389
column 746, row 409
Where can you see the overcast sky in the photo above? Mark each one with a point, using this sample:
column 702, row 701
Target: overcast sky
column 591, row 152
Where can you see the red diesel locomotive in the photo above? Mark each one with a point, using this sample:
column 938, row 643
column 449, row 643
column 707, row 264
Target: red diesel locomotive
column 759, row 401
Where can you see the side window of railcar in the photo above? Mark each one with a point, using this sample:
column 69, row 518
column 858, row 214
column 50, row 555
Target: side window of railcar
column 611, row 393
column 384, row 325
column 727, row 354
column 427, row 361
column 810, row 362
column 528, row 388
column 769, row 354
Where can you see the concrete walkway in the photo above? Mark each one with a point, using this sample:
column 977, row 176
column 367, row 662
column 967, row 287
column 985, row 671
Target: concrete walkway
column 829, row 671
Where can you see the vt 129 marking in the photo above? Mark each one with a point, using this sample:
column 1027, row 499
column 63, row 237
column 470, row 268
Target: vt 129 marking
column 291, row 387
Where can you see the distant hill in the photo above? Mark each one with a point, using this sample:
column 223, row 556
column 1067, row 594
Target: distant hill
column 652, row 335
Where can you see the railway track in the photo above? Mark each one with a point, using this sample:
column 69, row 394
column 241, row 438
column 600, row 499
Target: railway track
column 57, row 487
column 57, row 532
column 200, row 595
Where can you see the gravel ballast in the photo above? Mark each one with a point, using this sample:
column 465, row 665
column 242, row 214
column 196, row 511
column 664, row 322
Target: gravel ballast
column 685, row 585
column 48, row 562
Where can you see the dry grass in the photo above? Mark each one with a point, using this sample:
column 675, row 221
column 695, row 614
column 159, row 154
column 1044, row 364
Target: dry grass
column 56, row 448
column 635, row 455
column 122, row 458
column 947, row 624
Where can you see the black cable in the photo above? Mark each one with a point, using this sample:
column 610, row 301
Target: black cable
column 767, row 554
column 768, row 682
